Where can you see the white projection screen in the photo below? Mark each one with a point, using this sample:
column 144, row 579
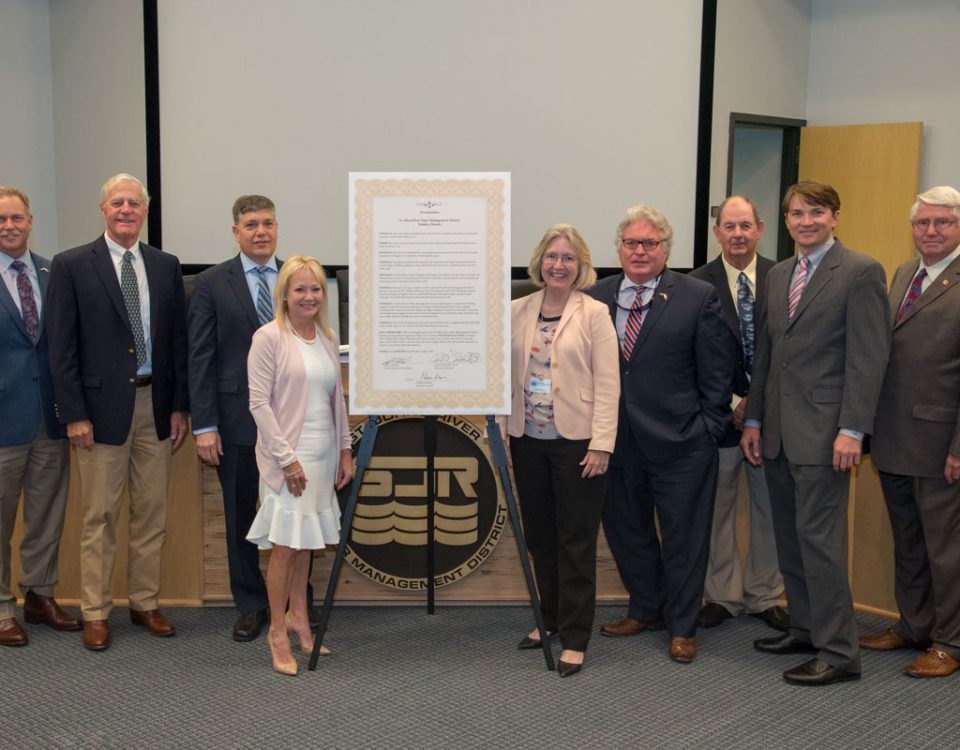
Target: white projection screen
column 592, row 106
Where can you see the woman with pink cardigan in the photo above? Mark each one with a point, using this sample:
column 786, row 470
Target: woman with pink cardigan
column 303, row 446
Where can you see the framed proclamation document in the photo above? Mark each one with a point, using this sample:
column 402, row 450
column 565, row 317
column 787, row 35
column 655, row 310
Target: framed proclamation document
column 429, row 293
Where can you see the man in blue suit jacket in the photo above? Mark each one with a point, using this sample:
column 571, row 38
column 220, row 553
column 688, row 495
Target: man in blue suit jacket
column 222, row 320
column 118, row 355
column 34, row 457
column 676, row 370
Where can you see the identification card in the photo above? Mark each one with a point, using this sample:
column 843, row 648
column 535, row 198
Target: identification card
column 540, row 385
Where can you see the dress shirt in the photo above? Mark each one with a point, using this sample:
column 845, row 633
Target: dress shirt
column 626, row 301
column 253, row 277
column 143, row 291
column 934, row 270
column 10, row 279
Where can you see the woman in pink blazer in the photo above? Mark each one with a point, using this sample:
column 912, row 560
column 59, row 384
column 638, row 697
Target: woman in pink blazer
column 303, row 446
column 562, row 428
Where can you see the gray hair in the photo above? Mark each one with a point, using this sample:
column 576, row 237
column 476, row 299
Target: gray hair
column 652, row 216
column 112, row 182
column 942, row 195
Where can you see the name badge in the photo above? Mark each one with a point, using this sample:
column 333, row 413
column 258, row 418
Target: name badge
column 540, row 385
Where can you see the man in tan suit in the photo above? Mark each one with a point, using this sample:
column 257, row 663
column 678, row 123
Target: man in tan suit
column 917, row 442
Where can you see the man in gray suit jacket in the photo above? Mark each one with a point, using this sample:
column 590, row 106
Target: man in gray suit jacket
column 730, row 589
column 34, row 456
column 917, row 442
column 820, row 359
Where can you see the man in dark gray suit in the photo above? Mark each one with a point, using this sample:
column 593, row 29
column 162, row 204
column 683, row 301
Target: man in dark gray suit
column 917, row 442
column 34, row 456
column 229, row 303
column 819, row 365
column 738, row 274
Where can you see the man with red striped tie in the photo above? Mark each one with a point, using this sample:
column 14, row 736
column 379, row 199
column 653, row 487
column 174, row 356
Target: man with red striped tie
column 676, row 369
column 917, row 442
column 822, row 345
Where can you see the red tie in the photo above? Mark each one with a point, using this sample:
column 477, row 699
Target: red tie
column 915, row 289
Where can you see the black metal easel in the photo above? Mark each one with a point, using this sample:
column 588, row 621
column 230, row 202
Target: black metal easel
column 364, row 454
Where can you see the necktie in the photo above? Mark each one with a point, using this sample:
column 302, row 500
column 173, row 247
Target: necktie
column 632, row 329
column 915, row 289
column 745, row 310
column 131, row 299
column 28, row 305
column 264, row 304
column 797, row 286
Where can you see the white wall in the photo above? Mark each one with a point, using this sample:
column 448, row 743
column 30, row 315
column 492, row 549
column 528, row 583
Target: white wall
column 26, row 116
column 874, row 61
column 98, row 94
column 761, row 69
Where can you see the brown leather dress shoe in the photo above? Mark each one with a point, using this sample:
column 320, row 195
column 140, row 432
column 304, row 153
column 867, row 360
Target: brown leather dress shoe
column 12, row 633
column 933, row 663
column 888, row 640
column 154, row 621
column 44, row 609
column 627, row 627
column 682, row 650
column 96, row 635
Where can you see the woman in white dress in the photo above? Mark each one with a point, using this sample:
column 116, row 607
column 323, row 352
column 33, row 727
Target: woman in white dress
column 303, row 446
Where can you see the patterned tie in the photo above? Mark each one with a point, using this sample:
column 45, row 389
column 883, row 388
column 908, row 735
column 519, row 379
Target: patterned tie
column 264, row 304
column 915, row 288
column 797, row 286
column 745, row 310
column 632, row 329
column 131, row 299
column 28, row 305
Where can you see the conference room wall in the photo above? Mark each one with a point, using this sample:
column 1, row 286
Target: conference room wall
column 26, row 118
column 98, row 107
column 875, row 61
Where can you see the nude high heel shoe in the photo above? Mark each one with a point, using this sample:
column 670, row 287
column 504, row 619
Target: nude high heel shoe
column 306, row 644
column 283, row 667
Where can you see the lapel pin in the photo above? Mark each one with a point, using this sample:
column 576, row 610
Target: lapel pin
column 663, row 296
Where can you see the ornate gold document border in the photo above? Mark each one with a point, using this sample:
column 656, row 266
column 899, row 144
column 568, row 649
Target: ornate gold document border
column 494, row 396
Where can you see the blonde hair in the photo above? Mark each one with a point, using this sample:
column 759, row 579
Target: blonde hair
column 586, row 276
column 290, row 267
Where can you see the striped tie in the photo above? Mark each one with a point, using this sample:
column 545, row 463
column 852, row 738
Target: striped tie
column 632, row 329
column 264, row 303
column 915, row 289
column 797, row 286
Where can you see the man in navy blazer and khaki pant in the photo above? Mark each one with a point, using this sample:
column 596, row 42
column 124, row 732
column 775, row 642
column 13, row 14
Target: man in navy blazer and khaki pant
column 34, row 456
column 917, row 442
column 821, row 353
column 118, row 354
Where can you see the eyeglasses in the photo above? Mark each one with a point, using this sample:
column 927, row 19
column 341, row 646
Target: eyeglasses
column 553, row 258
column 648, row 245
column 938, row 224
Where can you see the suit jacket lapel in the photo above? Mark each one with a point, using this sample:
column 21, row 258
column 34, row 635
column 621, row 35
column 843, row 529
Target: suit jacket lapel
column 532, row 313
column 947, row 279
column 104, row 268
column 658, row 303
column 821, row 277
column 238, row 283
column 11, row 307
column 898, row 290
column 727, row 303
column 150, row 268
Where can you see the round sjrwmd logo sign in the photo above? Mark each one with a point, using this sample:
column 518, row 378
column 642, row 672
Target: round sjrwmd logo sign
column 388, row 540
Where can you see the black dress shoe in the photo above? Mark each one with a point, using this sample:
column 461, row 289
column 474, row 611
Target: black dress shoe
column 567, row 669
column 775, row 617
column 784, row 644
column 248, row 625
column 530, row 643
column 818, row 672
column 713, row 614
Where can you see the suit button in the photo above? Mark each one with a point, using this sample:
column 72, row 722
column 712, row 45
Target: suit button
column 556, row 390
column 131, row 351
column 555, row 365
column 133, row 380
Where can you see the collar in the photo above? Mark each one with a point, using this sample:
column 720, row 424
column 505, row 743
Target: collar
column 733, row 274
column 251, row 265
column 935, row 269
column 117, row 250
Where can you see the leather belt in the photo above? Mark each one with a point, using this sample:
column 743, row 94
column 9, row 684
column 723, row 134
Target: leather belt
column 142, row 381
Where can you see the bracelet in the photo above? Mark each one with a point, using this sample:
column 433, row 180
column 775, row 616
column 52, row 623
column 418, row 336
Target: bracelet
column 291, row 474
